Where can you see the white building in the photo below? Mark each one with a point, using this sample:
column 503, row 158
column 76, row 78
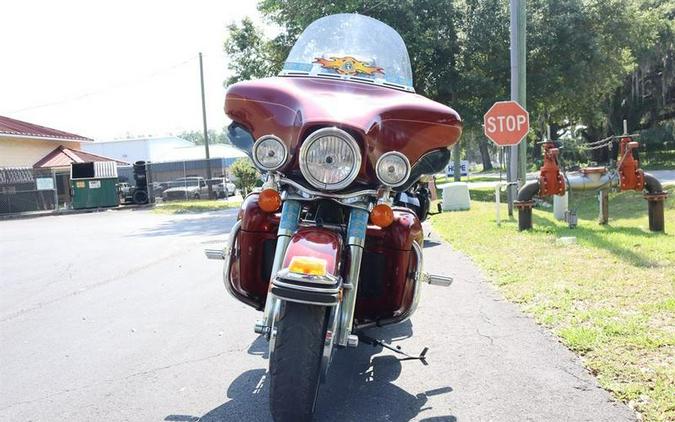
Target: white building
column 197, row 152
column 137, row 149
column 160, row 150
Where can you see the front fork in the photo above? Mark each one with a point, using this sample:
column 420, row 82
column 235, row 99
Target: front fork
column 290, row 216
column 356, row 237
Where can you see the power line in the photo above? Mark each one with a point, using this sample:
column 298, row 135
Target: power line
column 107, row 88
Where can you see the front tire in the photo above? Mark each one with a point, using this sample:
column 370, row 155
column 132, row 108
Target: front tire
column 295, row 362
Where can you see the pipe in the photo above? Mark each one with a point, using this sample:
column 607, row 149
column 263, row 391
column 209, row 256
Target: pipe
column 655, row 197
column 652, row 184
column 578, row 181
column 524, row 203
column 527, row 192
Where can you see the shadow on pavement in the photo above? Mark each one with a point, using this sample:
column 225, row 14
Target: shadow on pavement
column 428, row 243
column 359, row 387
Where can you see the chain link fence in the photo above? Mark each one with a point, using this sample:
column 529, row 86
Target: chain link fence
column 24, row 189
column 182, row 180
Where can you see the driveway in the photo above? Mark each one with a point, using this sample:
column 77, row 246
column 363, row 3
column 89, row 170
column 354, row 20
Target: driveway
column 117, row 316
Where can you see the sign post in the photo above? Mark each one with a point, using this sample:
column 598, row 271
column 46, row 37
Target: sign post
column 506, row 123
column 517, row 154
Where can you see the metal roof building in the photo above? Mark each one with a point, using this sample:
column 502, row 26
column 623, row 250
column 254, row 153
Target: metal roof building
column 12, row 128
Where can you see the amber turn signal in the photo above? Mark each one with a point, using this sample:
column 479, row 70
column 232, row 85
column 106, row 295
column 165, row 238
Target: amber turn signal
column 382, row 215
column 308, row 265
column 269, row 200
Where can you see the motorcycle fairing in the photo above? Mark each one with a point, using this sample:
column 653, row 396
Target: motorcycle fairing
column 383, row 119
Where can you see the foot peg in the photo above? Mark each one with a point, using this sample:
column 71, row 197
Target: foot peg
column 437, row 280
column 260, row 327
column 214, row 253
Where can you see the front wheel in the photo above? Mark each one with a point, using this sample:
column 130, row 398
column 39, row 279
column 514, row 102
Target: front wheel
column 295, row 361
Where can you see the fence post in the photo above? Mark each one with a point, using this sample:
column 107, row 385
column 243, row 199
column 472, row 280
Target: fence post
column 56, row 190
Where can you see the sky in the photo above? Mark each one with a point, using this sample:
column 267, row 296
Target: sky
column 113, row 69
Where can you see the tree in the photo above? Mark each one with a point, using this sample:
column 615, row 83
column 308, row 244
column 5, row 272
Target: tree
column 197, row 137
column 251, row 56
column 484, row 66
column 246, row 175
column 579, row 52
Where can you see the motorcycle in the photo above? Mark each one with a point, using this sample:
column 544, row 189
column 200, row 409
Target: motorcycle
column 332, row 243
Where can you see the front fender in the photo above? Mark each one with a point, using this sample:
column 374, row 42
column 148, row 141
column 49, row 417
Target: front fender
column 323, row 290
column 316, row 242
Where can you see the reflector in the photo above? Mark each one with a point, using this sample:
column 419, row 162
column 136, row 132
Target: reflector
column 308, row 265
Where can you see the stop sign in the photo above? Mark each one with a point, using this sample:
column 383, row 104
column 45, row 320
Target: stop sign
column 506, row 123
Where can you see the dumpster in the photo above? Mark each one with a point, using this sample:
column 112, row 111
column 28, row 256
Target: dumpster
column 94, row 184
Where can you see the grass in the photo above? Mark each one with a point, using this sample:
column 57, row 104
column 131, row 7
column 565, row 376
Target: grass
column 193, row 207
column 609, row 297
column 470, row 178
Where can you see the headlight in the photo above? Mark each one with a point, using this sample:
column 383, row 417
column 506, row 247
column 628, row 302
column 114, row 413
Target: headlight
column 269, row 153
column 330, row 159
column 393, row 169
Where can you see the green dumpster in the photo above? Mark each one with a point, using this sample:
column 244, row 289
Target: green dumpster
column 93, row 184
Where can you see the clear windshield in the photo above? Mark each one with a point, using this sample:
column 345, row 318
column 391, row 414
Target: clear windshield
column 351, row 46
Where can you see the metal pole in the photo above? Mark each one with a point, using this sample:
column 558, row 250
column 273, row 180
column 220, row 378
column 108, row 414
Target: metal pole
column 457, row 163
column 56, row 190
column 522, row 84
column 517, row 162
column 498, row 187
column 510, row 176
column 206, row 133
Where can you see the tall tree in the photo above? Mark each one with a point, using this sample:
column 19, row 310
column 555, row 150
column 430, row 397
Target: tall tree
column 250, row 54
column 579, row 51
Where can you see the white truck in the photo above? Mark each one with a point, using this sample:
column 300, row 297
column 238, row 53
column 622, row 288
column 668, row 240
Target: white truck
column 186, row 188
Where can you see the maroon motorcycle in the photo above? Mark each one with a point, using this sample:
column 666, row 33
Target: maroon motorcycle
column 332, row 244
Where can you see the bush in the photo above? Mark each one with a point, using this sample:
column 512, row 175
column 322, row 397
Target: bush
column 246, row 175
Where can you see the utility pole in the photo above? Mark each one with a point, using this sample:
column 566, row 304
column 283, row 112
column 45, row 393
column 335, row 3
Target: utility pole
column 206, row 133
column 518, row 154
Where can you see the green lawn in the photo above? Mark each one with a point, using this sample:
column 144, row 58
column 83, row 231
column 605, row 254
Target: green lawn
column 470, row 178
column 196, row 206
column 609, row 297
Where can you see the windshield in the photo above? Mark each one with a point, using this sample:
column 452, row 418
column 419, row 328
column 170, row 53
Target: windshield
column 354, row 47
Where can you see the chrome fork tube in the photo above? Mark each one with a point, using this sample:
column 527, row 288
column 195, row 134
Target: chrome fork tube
column 290, row 216
column 356, row 239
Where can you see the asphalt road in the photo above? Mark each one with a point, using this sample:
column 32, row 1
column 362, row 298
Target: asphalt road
column 117, row 316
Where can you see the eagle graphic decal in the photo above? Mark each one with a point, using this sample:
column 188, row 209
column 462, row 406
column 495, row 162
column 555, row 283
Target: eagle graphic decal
column 348, row 66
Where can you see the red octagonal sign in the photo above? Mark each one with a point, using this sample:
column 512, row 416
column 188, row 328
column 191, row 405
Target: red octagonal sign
column 506, row 123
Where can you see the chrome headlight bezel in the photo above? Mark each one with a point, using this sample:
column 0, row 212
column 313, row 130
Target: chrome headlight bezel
column 257, row 144
column 345, row 137
column 403, row 158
